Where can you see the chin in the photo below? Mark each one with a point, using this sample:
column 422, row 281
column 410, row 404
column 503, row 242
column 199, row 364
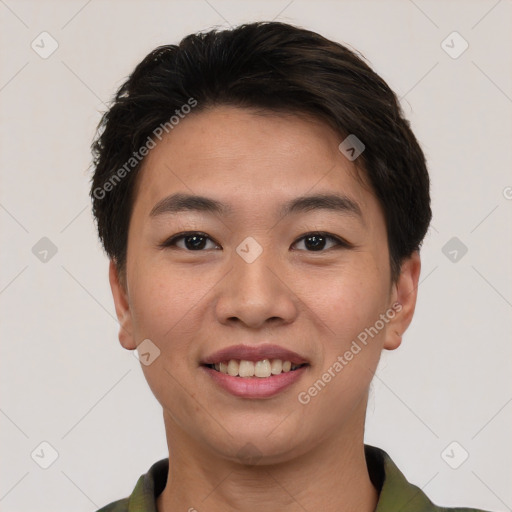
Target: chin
column 260, row 446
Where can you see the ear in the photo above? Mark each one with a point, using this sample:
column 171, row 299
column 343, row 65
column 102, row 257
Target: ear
column 123, row 312
column 403, row 295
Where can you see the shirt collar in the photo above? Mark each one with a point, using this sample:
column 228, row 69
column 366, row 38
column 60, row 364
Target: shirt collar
column 395, row 492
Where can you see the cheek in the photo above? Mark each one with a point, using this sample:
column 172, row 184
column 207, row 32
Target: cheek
column 350, row 355
column 350, row 307
column 352, row 300
column 164, row 305
column 166, row 310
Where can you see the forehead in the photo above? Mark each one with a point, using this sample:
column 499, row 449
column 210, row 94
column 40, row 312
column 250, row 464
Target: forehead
column 248, row 159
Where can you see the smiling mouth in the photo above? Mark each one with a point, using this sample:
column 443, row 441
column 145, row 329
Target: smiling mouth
column 262, row 369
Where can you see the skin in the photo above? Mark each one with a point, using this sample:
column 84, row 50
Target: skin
column 192, row 303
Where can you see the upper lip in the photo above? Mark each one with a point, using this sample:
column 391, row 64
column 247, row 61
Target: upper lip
column 254, row 353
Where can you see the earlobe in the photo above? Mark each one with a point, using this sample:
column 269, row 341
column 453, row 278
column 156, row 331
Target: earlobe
column 123, row 312
column 404, row 294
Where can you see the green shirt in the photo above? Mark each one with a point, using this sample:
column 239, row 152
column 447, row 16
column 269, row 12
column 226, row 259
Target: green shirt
column 395, row 492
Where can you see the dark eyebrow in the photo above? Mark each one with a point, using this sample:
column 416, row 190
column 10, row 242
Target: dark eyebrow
column 180, row 202
column 333, row 202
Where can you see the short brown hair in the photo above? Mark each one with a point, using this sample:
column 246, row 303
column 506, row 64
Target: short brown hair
column 274, row 66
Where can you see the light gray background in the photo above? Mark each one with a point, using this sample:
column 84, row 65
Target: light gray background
column 66, row 380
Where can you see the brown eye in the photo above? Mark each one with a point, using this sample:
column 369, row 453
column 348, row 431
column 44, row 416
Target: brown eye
column 316, row 242
column 193, row 241
column 198, row 241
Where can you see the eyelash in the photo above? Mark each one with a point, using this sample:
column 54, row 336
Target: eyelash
column 171, row 242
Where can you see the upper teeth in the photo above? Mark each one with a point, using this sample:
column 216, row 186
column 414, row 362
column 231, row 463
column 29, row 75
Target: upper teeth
column 263, row 368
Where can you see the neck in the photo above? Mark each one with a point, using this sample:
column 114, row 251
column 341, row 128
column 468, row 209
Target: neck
column 331, row 477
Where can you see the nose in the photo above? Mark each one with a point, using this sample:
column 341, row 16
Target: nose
column 256, row 293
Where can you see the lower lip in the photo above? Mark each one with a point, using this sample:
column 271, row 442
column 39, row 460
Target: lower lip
column 255, row 387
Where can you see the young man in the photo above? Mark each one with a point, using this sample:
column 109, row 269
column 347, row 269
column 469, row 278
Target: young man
column 262, row 201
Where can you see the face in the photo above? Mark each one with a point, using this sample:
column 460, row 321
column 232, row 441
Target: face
column 261, row 266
